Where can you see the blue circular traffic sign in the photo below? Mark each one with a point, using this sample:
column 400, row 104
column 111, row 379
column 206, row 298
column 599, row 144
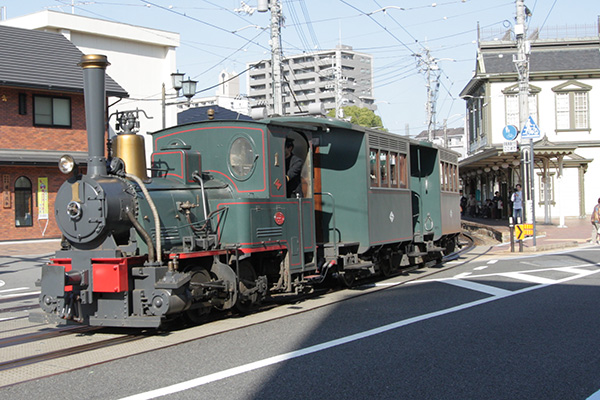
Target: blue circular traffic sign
column 510, row 132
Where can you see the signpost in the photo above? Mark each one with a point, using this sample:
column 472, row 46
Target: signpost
column 510, row 133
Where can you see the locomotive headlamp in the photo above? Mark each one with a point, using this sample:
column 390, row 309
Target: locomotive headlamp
column 66, row 164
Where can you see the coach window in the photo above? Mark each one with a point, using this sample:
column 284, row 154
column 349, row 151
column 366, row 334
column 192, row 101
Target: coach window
column 402, row 171
column 394, row 170
column 23, row 202
column 383, row 167
column 51, row 111
column 373, row 170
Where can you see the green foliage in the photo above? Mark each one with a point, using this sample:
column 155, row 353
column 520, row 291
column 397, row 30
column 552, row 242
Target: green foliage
column 360, row 116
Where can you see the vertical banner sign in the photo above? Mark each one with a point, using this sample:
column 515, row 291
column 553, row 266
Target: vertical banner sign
column 6, row 190
column 42, row 198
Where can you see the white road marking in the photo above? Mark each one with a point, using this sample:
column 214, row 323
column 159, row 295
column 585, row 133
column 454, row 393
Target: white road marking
column 528, row 278
column 8, row 319
column 17, row 295
column 217, row 376
column 492, row 261
column 13, row 289
column 494, row 291
column 479, row 268
column 464, row 274
column 2, row 283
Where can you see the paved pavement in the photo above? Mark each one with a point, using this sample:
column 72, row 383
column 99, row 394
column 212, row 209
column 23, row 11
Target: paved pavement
column 29, row 247
column 575, row 232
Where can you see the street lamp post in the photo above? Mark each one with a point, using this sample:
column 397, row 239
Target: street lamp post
column 188, row 88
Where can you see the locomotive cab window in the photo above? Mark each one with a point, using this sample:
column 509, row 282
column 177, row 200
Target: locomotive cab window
column 242, row 158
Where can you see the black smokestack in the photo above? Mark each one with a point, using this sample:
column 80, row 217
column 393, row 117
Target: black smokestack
column 94, row 91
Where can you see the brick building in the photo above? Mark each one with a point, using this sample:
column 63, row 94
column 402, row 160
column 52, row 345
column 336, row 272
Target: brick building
column 42, row 117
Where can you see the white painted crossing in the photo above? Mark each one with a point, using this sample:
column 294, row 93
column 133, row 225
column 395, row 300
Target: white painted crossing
column 478, row 287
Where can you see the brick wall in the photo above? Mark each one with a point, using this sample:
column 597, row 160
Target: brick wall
column 17, row 131
column 8, row 230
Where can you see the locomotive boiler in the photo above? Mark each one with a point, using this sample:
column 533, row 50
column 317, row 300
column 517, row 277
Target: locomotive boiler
column 212, row 226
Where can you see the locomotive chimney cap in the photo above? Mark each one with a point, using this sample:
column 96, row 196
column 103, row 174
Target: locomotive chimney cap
column 93, row 61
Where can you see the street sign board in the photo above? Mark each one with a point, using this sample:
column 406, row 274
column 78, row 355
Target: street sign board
column 522, row 230
column 510, row 147
column 510, row 132
column 530, row 130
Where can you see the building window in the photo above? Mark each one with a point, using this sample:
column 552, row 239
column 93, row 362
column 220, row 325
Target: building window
column 23, row 202
column 22, row 104
column 51, row 111
column 572, row 106
column 546, row 191
column 511, row 101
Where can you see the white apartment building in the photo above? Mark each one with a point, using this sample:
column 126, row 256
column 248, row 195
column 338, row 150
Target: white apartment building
column 340, row 75
column 142, row 59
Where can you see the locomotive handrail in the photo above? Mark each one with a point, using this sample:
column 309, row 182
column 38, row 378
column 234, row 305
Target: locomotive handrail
column 335, row 243
column 198, row 178
column 154, row 214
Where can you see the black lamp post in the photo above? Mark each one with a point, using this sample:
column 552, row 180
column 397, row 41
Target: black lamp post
column 188, row 88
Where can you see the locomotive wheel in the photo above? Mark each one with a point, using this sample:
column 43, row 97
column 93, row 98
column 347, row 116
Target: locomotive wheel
column 347, row 279
column 247, row 278
column 198, row 315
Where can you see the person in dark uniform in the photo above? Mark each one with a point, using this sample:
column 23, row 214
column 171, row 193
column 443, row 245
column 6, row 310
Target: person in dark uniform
column 293, row 167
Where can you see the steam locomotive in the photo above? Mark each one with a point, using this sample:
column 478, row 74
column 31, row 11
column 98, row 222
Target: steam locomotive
column 212, row 227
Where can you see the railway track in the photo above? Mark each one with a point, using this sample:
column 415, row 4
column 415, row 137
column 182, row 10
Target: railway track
column 33, row 345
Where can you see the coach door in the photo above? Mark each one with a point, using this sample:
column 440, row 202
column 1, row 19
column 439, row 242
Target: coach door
column 425, row 189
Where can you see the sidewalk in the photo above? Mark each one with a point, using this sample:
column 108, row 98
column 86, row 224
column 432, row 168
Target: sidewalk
column 29, row 247
column 575, row 232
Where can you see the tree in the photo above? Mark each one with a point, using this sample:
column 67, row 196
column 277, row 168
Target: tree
column 360, row 116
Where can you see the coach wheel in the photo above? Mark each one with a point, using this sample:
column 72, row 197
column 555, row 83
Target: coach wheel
column 247, row 295
column 450, row 246
column 198, row 315
column 385, row 267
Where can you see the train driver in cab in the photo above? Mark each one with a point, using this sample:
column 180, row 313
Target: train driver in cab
column 293, row 168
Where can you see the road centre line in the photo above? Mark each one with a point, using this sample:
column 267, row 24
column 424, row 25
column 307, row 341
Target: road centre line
column 217, row 376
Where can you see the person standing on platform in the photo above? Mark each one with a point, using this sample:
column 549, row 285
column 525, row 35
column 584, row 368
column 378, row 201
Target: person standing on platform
column 517, row 200
column 496, row 205
column 595, row 223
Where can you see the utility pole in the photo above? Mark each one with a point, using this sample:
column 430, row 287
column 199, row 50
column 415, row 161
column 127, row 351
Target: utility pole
column 429, row 64
column 522, row 63
column 276, row 54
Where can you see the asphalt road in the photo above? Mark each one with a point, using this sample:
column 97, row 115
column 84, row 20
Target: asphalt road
column 512, row 328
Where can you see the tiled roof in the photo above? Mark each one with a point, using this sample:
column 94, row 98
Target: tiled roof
column 546, row 60
column 43, row 60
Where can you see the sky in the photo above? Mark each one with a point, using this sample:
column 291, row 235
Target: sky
column 214, row 36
